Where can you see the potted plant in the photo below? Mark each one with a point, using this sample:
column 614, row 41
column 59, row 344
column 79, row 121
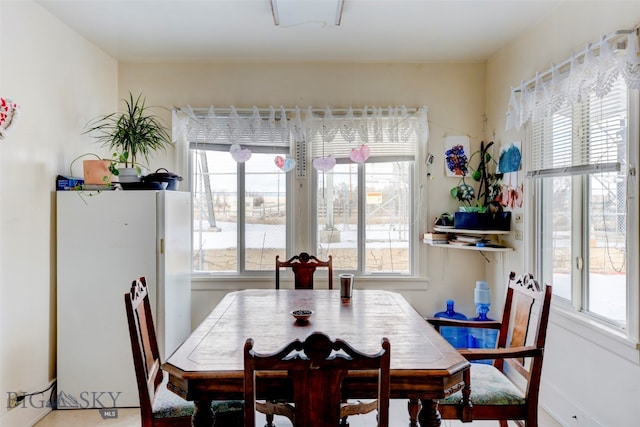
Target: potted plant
column 96, row 170
column 133, row 134
column 486, row 213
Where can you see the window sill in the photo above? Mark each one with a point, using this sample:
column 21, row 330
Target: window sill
column 610, row 339
column 234, row 283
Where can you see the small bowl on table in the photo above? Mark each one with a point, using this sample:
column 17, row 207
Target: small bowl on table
column 302, row 315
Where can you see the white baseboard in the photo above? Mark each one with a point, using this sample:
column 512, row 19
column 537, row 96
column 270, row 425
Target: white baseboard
column 564, row 410
column 23, row 416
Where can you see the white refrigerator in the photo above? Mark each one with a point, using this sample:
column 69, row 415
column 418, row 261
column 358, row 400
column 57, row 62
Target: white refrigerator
column 105, row 240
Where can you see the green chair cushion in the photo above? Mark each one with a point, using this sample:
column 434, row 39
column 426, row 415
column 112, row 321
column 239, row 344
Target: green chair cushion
column 170, row 405
column 489, row 386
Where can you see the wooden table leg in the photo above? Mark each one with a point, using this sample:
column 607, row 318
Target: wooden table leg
column 202, row 414
column 429, row 415
column 414, row 409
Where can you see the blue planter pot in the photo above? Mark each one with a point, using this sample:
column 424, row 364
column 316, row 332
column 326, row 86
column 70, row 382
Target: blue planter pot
column 482, row 221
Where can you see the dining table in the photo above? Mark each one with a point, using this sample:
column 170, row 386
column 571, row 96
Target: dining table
column 209, row 365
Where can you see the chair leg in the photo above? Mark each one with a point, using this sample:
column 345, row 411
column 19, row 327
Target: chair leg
column 270, row 422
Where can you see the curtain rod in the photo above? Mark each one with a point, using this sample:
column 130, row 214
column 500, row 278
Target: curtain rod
column 563, row 66
column 370, row 110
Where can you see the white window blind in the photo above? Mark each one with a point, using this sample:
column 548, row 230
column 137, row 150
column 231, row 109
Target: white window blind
column 388, row 138
column 582, row 138
column 261, row 131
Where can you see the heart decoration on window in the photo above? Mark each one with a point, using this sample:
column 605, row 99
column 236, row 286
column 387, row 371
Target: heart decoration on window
column 360, row 155
column 9, row 111
column 285, row 164
column 324, row 164
column 238, row 154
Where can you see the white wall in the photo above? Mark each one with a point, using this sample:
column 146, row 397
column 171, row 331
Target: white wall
column 454, row 94
column 60, row 81
column 588, row 374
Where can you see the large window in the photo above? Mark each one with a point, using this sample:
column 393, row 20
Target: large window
column 239, row 212
column 240, row 200
column 364, row 212
column 580, row 161
column 248, row 208
column 364, row 216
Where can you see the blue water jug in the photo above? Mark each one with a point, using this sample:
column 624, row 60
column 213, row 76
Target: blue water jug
column 478, row 337
column 456, row 336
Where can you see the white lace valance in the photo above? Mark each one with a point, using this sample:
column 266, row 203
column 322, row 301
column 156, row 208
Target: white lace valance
column 592, row 71
column 276, row 126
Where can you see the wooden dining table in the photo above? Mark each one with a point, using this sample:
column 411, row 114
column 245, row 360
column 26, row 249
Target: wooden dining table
column 209, row 365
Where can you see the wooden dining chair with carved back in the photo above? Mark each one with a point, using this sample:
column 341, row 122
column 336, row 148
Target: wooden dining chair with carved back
column 303, row 267
column 158, row 405
column 316, row 368
column 517, row 359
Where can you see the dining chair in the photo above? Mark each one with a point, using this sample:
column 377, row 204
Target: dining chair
column 303, row 267
column 159, row 406
column 491, row 392
column 316, row 368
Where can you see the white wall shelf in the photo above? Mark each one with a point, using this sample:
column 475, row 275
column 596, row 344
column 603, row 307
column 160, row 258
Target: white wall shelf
column 471, row 247
column 451, row 230
column 491, row 246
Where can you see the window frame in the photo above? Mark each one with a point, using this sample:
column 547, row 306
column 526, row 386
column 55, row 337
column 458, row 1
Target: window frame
column 361, row 247
column 241, row 270
column 573, row 308
column 202, row 132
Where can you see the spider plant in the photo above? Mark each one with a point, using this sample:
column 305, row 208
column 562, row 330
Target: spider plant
column 134, row 134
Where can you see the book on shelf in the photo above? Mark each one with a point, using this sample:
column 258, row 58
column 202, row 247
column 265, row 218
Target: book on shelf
column 467, row 238
column 459, row 243
column 436, row 238
column 436, row 242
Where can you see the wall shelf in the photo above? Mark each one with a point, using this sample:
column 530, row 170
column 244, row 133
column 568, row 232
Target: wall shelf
column 471, row 247
column 491, row 246
column 441, row 229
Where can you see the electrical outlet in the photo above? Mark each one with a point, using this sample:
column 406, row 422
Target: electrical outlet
column 518, row 234
column 518, row 218
column 12, row 399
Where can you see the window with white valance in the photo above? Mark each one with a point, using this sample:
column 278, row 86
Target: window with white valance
column 590, row 72
column 243, row 162
column 581, row 124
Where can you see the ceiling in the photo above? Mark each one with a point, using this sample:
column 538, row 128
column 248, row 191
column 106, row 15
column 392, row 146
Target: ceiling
column 244, row 31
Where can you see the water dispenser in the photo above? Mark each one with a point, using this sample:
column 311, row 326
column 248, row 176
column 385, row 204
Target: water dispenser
column 480, row 337
column 456, row 336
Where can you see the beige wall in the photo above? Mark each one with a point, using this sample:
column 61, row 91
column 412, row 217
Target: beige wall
column 60, row 81
column 454, row 94
column 581, row 361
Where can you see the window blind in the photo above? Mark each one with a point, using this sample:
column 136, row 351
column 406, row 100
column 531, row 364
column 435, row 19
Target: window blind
column 582, row 138
column 387, row 139
column 250, row 129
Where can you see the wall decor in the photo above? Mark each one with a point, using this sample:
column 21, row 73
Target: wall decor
column 510, row 158
column 239, row 154
column 456, row 154
column 285, row 164
column 9, row 112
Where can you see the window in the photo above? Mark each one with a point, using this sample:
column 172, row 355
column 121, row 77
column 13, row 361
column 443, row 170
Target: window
column 580, row 159
column 240, row 208
column 382, row 211
column 364, row 211
column 360, row 212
